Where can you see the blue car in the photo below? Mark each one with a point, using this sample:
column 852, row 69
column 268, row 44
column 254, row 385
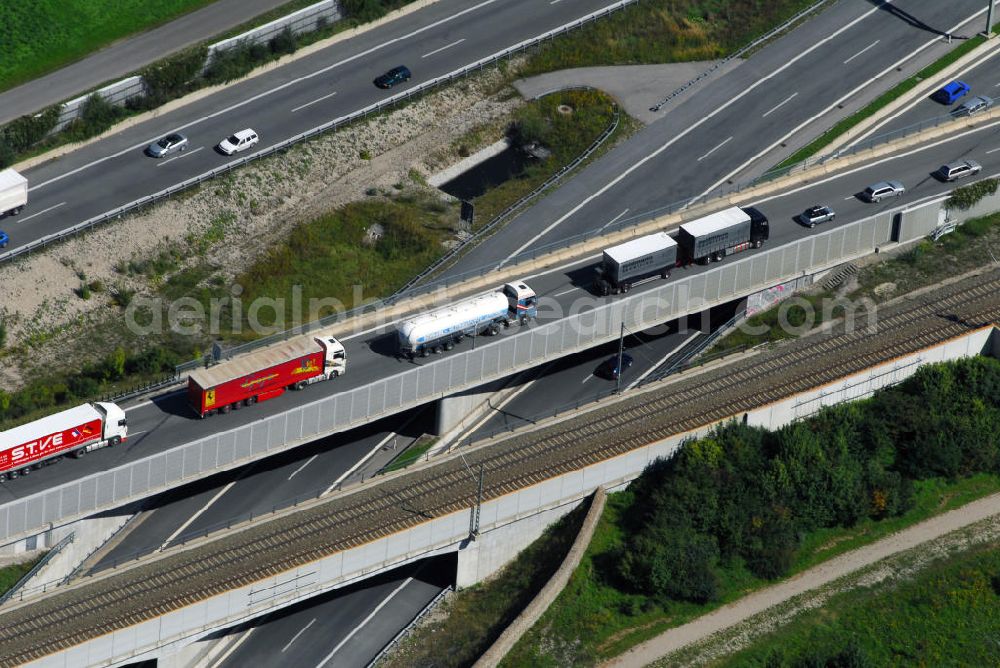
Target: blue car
column 4, row 239
column 951, row 92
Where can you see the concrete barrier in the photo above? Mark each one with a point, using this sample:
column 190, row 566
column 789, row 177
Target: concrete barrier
column 534, row 610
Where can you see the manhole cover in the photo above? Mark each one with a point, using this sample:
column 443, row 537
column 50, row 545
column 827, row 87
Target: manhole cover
column 565, row 109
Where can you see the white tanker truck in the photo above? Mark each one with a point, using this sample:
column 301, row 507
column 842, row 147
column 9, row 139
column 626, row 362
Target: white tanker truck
column 442, row 328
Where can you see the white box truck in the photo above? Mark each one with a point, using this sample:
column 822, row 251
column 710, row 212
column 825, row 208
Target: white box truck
column 635, row 261
column 13, row 193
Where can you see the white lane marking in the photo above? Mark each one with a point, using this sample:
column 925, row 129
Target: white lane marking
column 27, row 218
column 364, row 622
column 133, row 434
column 613, row 220
column 552, row 2
column 834, row 105
column 181, row 528
column 308, row 462
column 160, row 163
column 870, row 46
column 234, row 647
column 589, row 376
column 276, row 89
column 779, row 105
column 992, row 151
column 159, row 397
column 691, row 128
column 371, row 453
column 724, row 142
column 318, row 99
column 662, row 360
column 564, row 292
column 869, row 165
column 448, row 46
column 296, row 636
column 996, row 85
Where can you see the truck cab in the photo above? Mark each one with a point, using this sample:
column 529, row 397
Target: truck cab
column 115, row 422
column 336, row 356
column 760, row 228
column 523, row 303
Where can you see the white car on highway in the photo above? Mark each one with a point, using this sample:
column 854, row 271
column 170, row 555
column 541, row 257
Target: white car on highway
column 240, row 141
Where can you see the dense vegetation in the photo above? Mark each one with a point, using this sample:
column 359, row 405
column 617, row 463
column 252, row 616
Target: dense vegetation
column 946, row 615
column 744, row 506
column 665, row 31
column 43, row 395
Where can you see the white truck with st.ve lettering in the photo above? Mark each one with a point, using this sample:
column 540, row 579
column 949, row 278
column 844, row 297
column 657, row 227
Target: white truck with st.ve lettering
column 13, row 193
column 74, row 431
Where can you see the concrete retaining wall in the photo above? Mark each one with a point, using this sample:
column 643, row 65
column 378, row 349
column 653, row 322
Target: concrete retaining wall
column 534, row 610
column 304, row 20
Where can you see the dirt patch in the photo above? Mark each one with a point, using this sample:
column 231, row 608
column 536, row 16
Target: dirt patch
column 228, row 223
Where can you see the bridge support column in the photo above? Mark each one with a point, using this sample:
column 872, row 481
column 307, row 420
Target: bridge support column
column 994, row 348
column 493, row 549
column 460, row 411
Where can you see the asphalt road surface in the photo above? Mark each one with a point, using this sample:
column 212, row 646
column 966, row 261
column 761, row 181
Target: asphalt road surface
column 167, row 421
column 278, row 104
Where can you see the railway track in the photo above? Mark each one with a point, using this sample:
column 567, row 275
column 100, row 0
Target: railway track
column 176, row 578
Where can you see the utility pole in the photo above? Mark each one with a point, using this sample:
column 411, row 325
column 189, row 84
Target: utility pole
column 474, row 519
column 989, row 16
column 621, row 352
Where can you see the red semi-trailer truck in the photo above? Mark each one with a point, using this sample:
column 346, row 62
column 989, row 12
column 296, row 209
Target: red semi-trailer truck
column 265, row 374
column 73, row 431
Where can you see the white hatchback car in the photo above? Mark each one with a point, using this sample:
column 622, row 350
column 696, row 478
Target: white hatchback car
column 240, row 141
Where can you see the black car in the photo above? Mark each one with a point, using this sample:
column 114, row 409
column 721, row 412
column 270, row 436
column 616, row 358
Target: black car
column 609, row 367
column 815, row 215
column 394, row 76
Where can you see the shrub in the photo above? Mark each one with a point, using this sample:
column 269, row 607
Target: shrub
column 968, row 196
column 283, row 43
column 23, row 133
column 363, row 10
column 174, row 76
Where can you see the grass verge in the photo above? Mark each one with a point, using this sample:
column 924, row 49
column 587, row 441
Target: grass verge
column 411, row 454
column 467, row 624
column 665, row 32
column 881, row 101
column 941, row 615
column 11, row 575
column 44, row 35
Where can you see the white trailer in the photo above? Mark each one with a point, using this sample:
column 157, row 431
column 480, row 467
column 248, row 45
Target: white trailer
column 442, row 328
column 13, row 192
column 635, row 261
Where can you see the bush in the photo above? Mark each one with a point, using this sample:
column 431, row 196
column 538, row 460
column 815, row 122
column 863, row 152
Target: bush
column 968, row 196
column 742, row 497
column 283, row 43
column 174, row 76
column 23, row 133
column 96, row 116
column 363, row 10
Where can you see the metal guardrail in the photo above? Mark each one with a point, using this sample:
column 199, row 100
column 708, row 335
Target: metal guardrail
column 56, row 549
column 370, row 110
column 392, row 644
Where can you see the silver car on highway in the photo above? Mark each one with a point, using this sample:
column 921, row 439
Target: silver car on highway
column 172, row 143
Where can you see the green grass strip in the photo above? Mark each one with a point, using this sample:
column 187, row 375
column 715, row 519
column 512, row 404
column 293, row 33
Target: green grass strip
column 881, row 101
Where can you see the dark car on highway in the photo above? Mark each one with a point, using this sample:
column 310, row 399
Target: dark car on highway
column 394, row 76
column 815, row 215
column 609, row 367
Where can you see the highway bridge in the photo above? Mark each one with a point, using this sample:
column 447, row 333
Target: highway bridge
column 171, row 447
column 136, row 611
